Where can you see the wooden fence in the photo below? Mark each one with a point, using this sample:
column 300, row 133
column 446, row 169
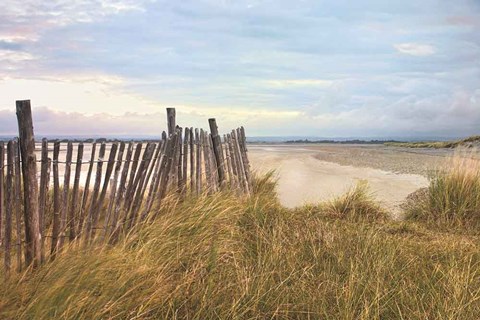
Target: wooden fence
column 100, row 196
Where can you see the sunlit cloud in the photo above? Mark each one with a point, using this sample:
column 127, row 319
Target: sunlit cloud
column 415, row 49
column 300, row 83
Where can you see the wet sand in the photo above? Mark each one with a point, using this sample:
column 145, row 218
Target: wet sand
column 315, row 173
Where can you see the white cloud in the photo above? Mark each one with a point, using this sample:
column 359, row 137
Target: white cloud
column 28, row 18
column 14, row 56
column 415, row 49
column 300, row 83
column 81, row 93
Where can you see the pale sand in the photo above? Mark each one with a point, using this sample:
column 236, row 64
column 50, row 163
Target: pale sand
column 302, row 178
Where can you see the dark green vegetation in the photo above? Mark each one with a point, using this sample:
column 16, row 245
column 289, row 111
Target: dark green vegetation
column 469, row 142
column 230, row 257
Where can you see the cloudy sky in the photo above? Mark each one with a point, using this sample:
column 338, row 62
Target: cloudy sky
column 320, row 68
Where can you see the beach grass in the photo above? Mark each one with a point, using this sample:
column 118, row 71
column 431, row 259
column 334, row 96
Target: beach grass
column 453, row 196
column 226, row 256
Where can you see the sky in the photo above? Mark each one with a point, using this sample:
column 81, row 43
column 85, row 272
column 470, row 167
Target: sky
column 338, row 68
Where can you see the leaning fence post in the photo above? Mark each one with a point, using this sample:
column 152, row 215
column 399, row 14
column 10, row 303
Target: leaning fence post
column 171, row 121
column 29, row 168
column 217, row 150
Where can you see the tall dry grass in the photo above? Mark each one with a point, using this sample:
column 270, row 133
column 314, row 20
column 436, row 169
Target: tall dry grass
column 453, row 196
column 229, row 257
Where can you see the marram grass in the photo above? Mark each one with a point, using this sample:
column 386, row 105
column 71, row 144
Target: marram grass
column 229, row 257
column 453, row 196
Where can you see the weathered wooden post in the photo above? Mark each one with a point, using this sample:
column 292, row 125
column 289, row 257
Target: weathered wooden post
column 42, row 198
column 66, row 191
column 56, row 201
column 9, row 199
column 217, row 150
column 72, row 217
column 171, row 121
column 18, row 206
column 2, row 191
column 29, row 168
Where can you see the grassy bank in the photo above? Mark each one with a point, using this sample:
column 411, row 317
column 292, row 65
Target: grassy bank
column 225, row 257
column 469, row 142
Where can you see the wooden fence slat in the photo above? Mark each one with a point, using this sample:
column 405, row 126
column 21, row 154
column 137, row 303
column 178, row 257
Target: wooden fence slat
column 217, row 150
column 179, row 159
column 56, row 200
column 174, row 168
column 106, row 180
column 228, row 161
column 207, row 164
column 241, row 168
column 153, row 183
column 8, row 207
column 42, row 198
column 113, row 190
column 137, row 167
column 163, row 173
column 2, row 190
column 95, row 194
column 86, row 191
column 233, row 161
column 137, row 185
column 117, row 218
column 73, row 216
column 185, row 160
column 18, row 206
column 192, row 162
column 66, row 190
column 238, row 162
column 243, row 151
column 151, row 166
column 198, row 172
column 169, row 159
column 155, row 180
column 142, row 171
column 154, row 160
column 131, row 181
column 213, row 164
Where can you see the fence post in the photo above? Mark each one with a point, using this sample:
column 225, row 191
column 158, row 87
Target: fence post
column 217, row 150
column 2, row 191
column 9, row 199
column 18, row 206
column 171, row 121
column 29, row 168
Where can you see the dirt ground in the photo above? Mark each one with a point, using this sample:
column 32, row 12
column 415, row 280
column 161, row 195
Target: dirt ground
column 315, row 173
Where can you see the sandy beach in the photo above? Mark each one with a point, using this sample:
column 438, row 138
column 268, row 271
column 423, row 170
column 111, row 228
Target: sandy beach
column 315, row 173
